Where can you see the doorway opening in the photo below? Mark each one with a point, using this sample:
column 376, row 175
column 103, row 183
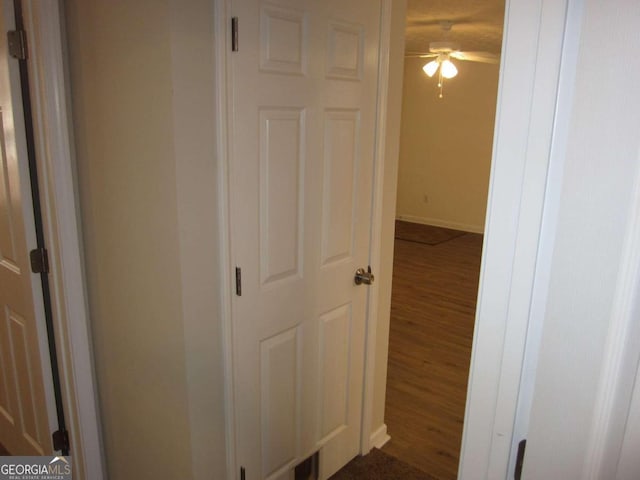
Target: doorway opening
column 445, row 159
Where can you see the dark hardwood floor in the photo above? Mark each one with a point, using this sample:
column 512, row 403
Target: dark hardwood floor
column 3, row 451
column 432, row 316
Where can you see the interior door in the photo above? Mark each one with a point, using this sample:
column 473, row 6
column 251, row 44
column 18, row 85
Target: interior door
column 24, row 428
column 303, row 94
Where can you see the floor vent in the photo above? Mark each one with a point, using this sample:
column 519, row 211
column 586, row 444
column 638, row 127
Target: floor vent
column 308, row 469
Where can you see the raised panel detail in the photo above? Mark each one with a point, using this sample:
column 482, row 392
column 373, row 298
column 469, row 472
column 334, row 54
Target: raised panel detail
column 281, row 193
column 341, row 140
column 345, row 53
column 335, row 341
column 7, row 403
column 24, row 379
column 283, row 42
column 279, row 390
column 7, row 240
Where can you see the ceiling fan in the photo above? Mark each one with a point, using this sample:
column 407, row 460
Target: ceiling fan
column 443, row 52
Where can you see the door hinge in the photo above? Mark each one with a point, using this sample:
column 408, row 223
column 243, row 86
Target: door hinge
column 17, row 40
column 234, row 34
column 39, row 260
column 242, row 474
column 238, row 281
column 61, row 441
column 520, row 459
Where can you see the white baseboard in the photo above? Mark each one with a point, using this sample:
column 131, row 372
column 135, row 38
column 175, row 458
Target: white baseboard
column 442, row 223
column 380, row 437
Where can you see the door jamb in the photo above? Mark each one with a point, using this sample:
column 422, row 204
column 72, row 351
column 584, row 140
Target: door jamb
column 375, row 248
column 54, row 147
column 518, row 234
column 223, row 108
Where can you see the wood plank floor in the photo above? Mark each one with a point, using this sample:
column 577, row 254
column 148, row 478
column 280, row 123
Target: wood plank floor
column 3, row 451
column 432, row 316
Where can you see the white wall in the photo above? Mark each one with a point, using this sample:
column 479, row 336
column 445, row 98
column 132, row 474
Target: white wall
column 628, row 467
column 192, row 44
column 446, row 146
column 587, row 281
column 141, row 79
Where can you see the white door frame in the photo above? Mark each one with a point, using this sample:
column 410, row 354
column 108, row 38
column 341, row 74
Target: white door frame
column 377, row 221
column 519, row 236
column 223, row 108
column 535, row 32
column 54, row 152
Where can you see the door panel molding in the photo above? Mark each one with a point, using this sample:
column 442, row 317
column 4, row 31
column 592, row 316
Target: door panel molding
column 281, row 260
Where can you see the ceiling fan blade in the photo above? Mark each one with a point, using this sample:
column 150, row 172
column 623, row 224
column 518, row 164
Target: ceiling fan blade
column 482, row 57
column 437, row 22
column 420, row 55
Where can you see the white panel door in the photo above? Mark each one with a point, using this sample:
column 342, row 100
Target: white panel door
column 24, row 428
column 304, row 84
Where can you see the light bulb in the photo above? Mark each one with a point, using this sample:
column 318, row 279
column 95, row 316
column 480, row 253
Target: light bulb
column 448, row 69
column 431, row 67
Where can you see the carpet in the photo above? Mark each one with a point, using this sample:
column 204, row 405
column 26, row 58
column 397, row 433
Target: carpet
column 378, row 465
column 430, row 235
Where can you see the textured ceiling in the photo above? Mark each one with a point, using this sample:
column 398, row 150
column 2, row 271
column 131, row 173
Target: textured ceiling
column 477, row 24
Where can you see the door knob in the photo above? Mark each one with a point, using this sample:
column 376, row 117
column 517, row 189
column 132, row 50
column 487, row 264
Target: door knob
column 363, row 276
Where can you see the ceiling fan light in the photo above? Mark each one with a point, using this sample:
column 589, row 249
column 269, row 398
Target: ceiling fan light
column 448, row 69
column 431, row 67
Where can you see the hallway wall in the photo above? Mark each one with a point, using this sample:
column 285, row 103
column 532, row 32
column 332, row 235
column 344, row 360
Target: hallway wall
column 141, row 79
